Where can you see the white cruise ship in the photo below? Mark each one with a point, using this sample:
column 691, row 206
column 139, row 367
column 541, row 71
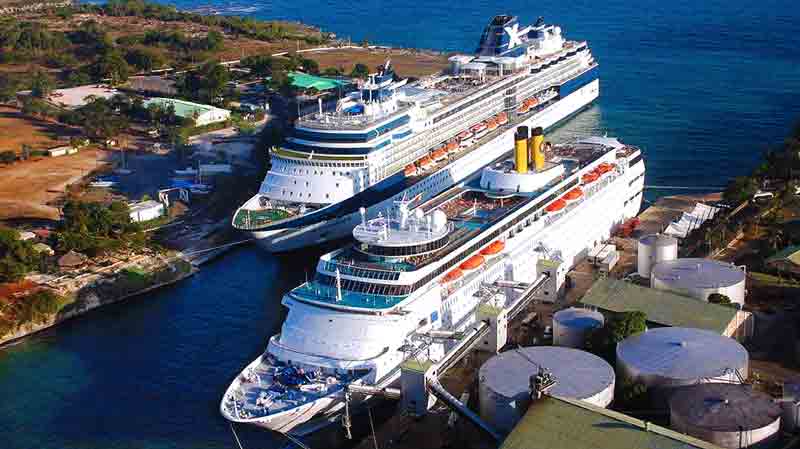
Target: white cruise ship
column 429, row 267
column 390, row 138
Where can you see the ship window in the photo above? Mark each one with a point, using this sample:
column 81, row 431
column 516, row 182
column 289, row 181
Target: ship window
column 337, row 185
column 327, row 195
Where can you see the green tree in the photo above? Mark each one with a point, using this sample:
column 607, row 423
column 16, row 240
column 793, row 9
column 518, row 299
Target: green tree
column 112, row 66
column 99, row 120
column 7, row 157
column 741, row 189
column 360, row 71
column 603, row 341
column 41, row 84
column 17, row 257
column 145, row 59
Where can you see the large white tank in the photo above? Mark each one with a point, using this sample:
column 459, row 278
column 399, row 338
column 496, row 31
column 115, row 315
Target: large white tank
column 504, row 381
column 728, row 415
column 653, row 249
column 699, row 278
column 571, row 325
column 668, row 357
column 790, row 403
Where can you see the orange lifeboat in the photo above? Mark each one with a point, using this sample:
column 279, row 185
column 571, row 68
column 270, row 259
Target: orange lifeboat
column 502, row 118
column 573, row 194
column 411, row 170
column 556, row 205
column 589, row 178
column 426, row 162
column 523, row 108
column 452, row 275
column 452, row 147
column 491, row 124
column 493, row 248
column 534, row 102
column 439, row 155
column 472, row 263
column 464, row 135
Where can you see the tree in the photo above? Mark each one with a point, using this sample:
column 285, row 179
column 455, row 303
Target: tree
column 741, row 189
column 145, row 59
column 603, row 341
column 17, row 257
column 99, row 120
column 360, row 71
column 41, row 84
column 310, row 66
column 7, row 157
column 112, row 66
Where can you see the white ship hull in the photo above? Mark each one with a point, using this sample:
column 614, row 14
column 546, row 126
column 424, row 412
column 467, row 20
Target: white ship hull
column 460, row 170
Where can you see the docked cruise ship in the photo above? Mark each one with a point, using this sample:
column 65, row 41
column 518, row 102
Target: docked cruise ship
column 429, row 267
column 391, row 138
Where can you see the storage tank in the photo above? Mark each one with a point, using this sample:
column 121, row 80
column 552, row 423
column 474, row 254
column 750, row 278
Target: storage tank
column 571, row 325
column 653, row 249
column 728, row 415
column 504, row 381
column 790, row 403
column 699, row 278
column 668, row 357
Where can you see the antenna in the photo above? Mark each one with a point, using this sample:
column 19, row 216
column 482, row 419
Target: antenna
column 338, row 286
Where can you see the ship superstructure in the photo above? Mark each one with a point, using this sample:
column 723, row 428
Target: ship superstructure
column 391, row 138
column 428, row 267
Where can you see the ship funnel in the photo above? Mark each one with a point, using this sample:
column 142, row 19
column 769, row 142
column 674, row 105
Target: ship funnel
column 536, row 148
column 521, row 149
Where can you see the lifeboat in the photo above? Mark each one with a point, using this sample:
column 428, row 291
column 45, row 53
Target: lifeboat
column 573, row 194
column 452, row 275
column 589, row 178
column 502, row 118
column 464, row 135
column 493, row 248
column 425, row 162
column 439, row 155
column 472, row 263
column 523, row 109
column 534, row 102
column 604, row 168
column 491, row 124
column 480, row 130
column 410, row 170
column 556, row 206
column 452, row 147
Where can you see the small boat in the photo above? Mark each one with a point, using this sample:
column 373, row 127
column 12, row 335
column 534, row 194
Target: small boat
column 493, row 248
column 102, row 184
column 452, row 147
column 426, row 162
column 439, row 155
column 556, row 206
column 502, row 118
column 472, row 263
column 574, row 194
column 452, row 275
column 410, row 170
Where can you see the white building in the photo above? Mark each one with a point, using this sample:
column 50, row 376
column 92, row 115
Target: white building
column 202, row 114
column 146, row 210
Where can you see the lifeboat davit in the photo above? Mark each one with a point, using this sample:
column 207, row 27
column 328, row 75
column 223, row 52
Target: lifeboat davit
column 472, row 263
column 574, row 194
column 426, row 162
column 410, row 170
column 589, row 178
column 502, row 118
column 556, row 206
column 493, row 248
column 452, row 147
column 452, row 275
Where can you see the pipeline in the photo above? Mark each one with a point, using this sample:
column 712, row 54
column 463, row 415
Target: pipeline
column 459, row 407
column 526, row 297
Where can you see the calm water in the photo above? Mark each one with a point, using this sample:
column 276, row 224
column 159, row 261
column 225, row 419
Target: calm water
column 702, row 86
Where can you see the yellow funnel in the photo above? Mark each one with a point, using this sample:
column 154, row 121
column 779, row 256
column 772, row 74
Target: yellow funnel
column 536, row 143
column 521, row 153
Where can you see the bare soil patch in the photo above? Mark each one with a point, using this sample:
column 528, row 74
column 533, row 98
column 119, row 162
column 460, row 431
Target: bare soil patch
column 17, row 129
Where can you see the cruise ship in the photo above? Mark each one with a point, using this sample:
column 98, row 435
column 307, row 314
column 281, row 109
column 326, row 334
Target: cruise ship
column 390, row 138
column 419, row 269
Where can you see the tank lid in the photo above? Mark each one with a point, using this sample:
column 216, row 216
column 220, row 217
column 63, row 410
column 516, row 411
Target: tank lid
column 724, row 407
column 696, row 272
column 580, row 318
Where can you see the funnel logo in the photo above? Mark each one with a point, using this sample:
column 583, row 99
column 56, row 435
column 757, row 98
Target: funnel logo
column 513, row 35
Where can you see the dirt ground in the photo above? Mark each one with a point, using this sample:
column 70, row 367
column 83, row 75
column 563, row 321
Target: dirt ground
column 17, row 130
column 406, row 62
column 28, row 187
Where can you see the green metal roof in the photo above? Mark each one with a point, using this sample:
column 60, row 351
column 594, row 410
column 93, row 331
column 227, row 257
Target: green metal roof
column 790, row 254
column 306, row 81
column 183, row 108
column 554, row 423
column 661, row 307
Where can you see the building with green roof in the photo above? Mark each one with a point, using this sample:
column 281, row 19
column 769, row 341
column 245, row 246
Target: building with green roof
column 305, row 81
column 202, row 114
column 787, row 260
column 555, row 423
column 665, row 308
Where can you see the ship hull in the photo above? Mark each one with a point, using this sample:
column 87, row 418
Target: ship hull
column 289, row 239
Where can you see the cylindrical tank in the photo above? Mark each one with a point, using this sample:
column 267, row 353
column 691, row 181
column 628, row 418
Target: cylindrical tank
column 728, row 415
column 571, row 325
column 521, row 149
column 537, row 154
column 790, row 403
column 699, row 278
column 665, row 358
column 653, row 249
column 504, row 381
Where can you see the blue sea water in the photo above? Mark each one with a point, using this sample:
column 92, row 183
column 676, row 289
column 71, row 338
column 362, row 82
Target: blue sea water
column 703, row 87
